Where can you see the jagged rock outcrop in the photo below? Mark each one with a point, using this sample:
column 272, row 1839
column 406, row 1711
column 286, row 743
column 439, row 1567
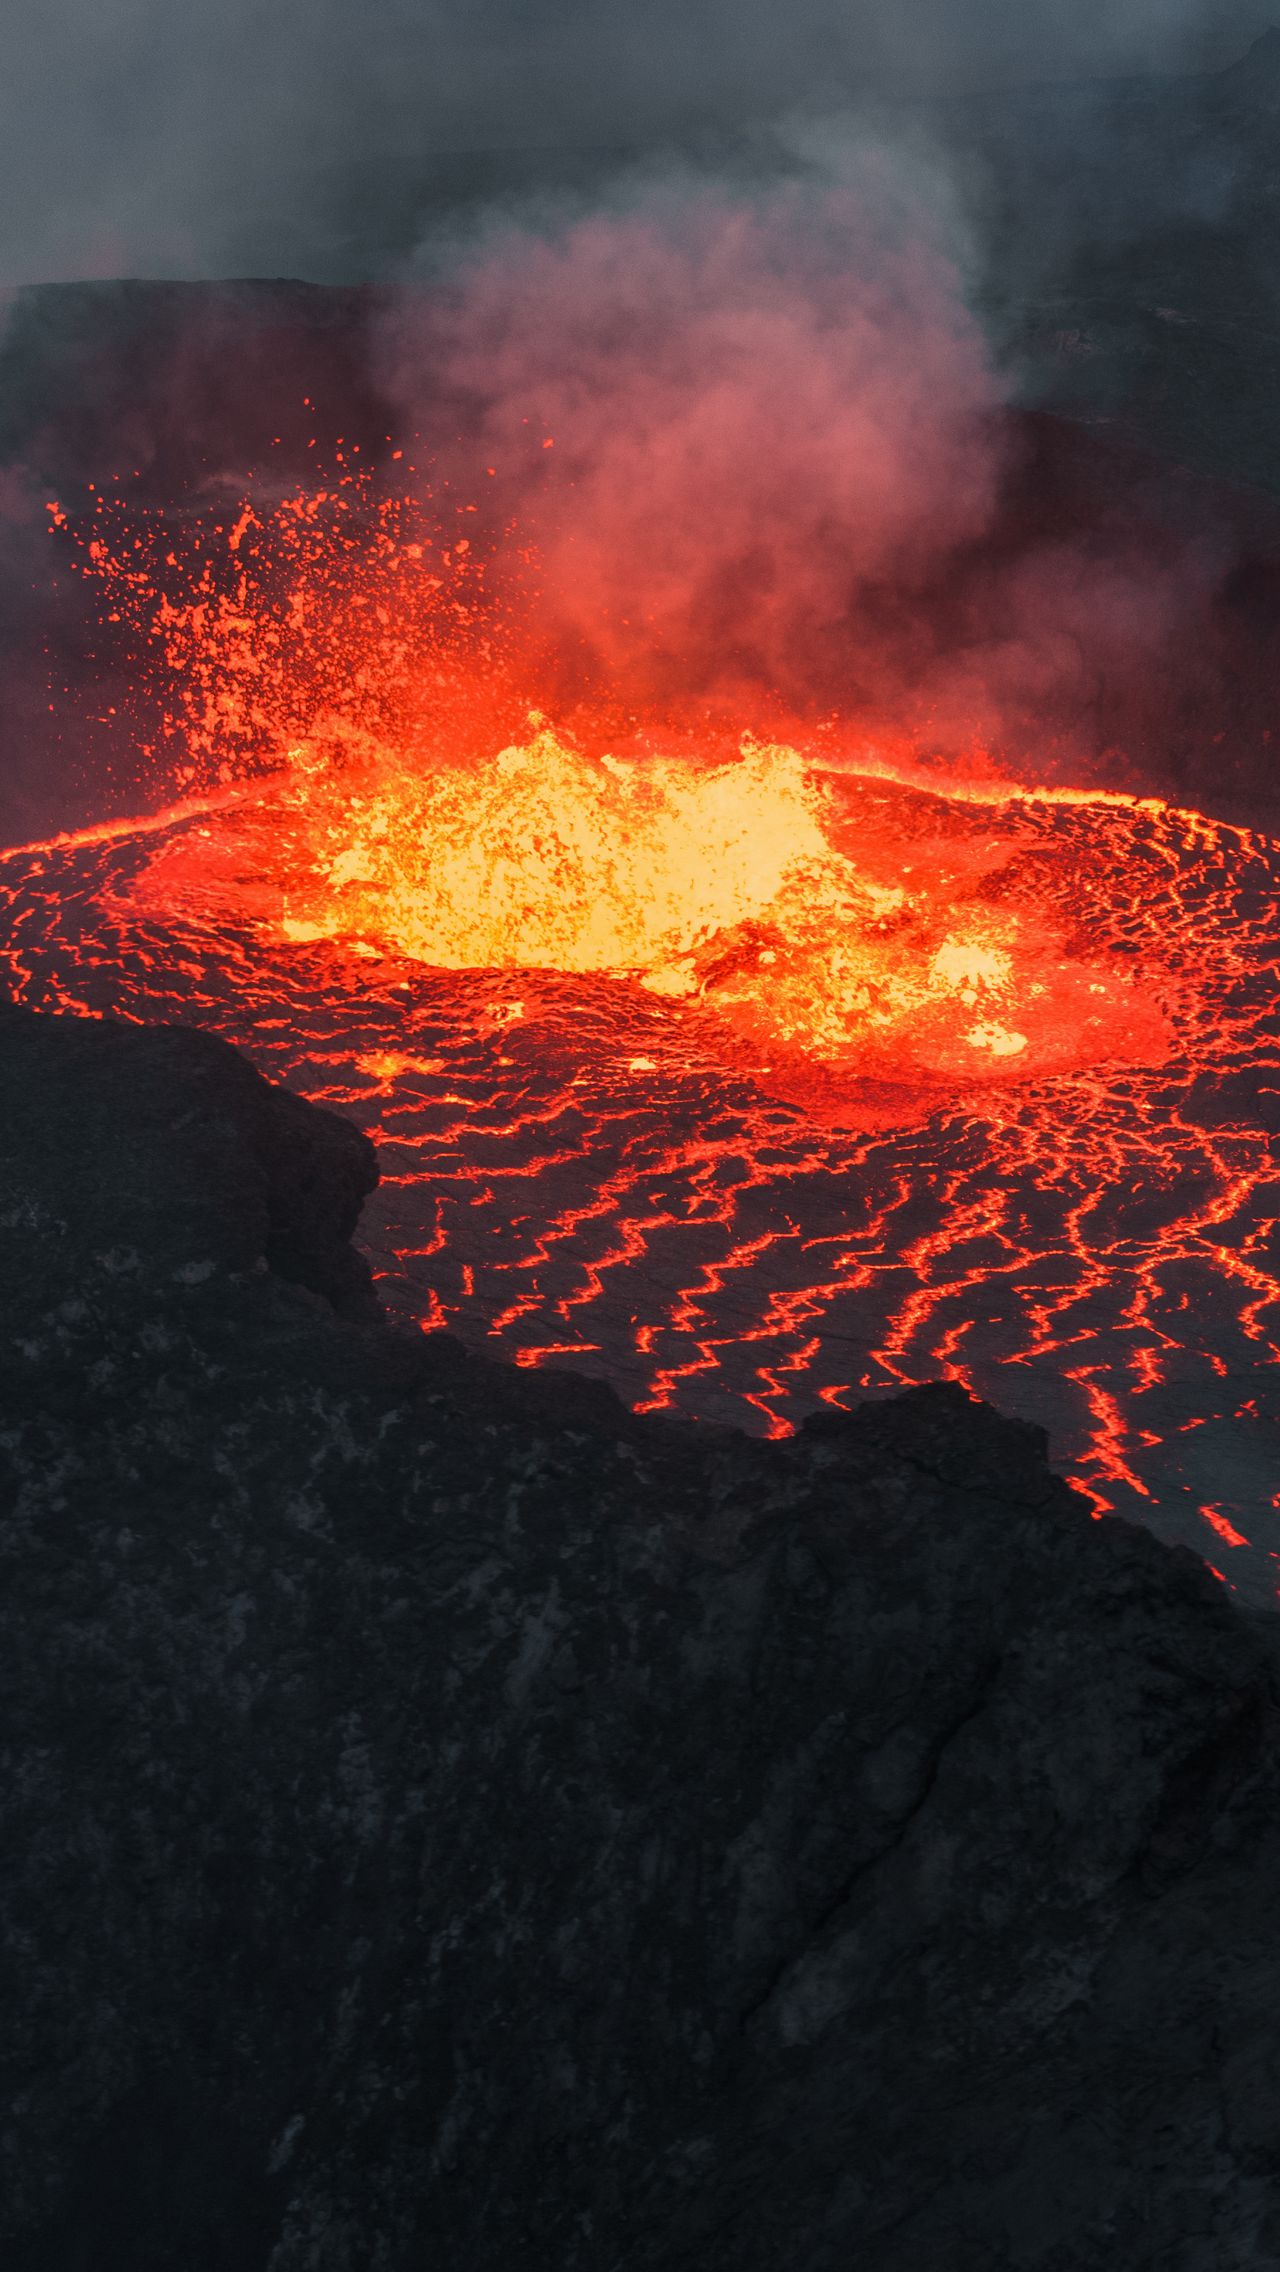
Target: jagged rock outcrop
column 449, row 1821
column 156, row 1151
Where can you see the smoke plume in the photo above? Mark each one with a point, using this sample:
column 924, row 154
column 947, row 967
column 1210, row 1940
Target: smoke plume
column 721, row 419
column 307, row 137
column 745, row 450
column 744, row 409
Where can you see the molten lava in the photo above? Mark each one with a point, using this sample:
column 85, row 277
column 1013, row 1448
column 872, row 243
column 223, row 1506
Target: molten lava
column 835, row 949
column 750, row 1085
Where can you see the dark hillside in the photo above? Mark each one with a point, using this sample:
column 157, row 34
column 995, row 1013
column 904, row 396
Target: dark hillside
column 448, row 1820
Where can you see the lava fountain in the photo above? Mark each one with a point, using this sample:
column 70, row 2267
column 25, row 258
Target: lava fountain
column 749, row 1081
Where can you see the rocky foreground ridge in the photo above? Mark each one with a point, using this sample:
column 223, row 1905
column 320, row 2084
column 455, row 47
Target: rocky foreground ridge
column 449, row 1822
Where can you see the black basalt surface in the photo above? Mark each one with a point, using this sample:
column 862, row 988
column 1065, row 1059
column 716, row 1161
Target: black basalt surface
column 449, row 1822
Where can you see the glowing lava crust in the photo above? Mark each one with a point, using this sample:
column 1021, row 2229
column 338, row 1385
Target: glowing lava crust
column 752, row 1089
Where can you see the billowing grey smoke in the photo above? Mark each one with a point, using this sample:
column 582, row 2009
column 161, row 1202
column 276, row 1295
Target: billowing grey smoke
column 755, row 439
column 770, row 354
column 305, row 136
column 718, row 416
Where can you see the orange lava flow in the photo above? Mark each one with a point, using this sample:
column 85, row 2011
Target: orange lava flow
column 751, row 1084
column 825, row 951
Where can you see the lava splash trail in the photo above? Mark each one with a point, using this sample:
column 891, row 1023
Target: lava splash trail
column 983, row 1085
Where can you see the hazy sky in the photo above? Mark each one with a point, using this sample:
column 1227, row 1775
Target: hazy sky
column 291, row 136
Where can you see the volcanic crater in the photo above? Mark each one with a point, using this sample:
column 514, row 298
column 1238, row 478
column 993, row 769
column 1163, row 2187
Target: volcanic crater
column 757, row 1086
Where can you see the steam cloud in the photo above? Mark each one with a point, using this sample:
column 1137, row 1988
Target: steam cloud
column 720, row 418
column 776, row 455
column 753, row 437
column 303, row 138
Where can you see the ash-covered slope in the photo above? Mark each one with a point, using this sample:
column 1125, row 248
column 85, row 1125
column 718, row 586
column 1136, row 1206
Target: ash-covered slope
column 449, row 1821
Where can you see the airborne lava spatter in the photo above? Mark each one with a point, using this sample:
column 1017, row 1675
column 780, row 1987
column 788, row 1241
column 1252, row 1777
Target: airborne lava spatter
column 834, row 948
column 748, row 1085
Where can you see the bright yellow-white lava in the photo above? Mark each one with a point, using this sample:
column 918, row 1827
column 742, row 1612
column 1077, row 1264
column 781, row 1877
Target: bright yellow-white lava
column 721, row 885
column 541, row 858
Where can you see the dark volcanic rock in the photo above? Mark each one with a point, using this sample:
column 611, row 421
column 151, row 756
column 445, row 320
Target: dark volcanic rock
column 1249, row 1095
column 449, row 1821
column 166, row 1146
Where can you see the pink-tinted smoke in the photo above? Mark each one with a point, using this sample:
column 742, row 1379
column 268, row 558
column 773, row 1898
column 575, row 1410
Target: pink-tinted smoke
column 722, row 422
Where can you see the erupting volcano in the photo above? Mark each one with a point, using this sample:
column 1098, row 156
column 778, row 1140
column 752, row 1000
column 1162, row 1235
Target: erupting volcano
column 750, row 1079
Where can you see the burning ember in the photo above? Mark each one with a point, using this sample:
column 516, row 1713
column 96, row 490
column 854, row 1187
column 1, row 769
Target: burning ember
column 750, row 1084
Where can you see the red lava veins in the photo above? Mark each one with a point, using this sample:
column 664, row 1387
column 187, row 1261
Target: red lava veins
column 749, row 1089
